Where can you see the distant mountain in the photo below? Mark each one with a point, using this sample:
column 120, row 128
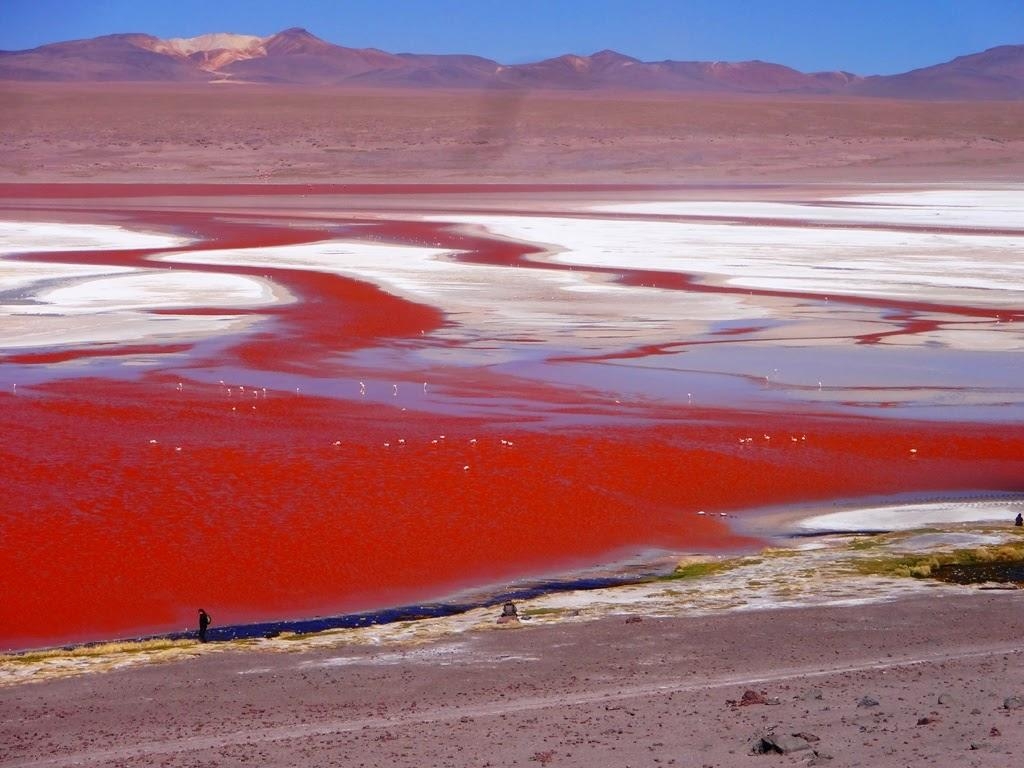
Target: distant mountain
column 107, row 58
column 997, row 73
column 296, row 56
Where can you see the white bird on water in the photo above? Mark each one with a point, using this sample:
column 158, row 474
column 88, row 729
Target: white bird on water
column 394, row 391
column 362, row 388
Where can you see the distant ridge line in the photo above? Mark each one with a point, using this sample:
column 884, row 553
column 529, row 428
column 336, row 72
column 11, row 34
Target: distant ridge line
column 295, row 56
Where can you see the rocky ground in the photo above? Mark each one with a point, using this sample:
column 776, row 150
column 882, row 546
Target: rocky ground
column 174, row 133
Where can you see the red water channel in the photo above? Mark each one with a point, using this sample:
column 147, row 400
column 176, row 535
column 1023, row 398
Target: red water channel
column 128, row 502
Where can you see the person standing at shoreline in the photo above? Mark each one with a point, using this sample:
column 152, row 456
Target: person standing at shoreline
column 204, row 622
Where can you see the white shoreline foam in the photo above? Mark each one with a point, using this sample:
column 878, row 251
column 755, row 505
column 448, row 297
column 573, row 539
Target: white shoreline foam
column 497, row 302
column 48, row 237
column 577, row 311
column 55, row 304
column 976, row 270
column 905, row 517
column 945, row 208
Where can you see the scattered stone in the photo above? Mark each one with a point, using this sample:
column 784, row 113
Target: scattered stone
column 807, row 736
column 748, row 698
column 927, row 720
column 778, row 743
column 543, row 757
column 634, row 619
column 819, row 758
column 975, row 711
column 945, row 699
column 993, row 731
column 868, row 701
column 1013, row 702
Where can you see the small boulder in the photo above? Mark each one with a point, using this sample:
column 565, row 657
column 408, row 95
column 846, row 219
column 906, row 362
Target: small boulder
column 868, row 701
column 752, row 697
column 1013, row 702
column 779, row 743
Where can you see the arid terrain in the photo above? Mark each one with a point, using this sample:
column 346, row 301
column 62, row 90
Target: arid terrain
column 159, row 133
column 550, row 330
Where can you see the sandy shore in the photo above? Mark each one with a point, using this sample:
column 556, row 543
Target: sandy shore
column 613, row 692
column 865, row 670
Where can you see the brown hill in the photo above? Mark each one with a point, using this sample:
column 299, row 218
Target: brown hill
column 997, row 73
column 296, row 56
column 125, row 57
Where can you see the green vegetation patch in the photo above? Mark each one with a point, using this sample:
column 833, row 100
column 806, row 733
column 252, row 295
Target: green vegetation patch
column 923, row 566
column 531, row 612
column 95, row 651
column 696, row 569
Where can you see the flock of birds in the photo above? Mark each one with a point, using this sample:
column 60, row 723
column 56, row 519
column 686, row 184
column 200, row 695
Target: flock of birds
column 258, row 392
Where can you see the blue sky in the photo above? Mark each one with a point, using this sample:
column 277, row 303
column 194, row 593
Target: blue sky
column 862, row 36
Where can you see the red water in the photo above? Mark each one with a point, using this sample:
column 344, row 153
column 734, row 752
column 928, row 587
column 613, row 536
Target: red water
column 129, row 502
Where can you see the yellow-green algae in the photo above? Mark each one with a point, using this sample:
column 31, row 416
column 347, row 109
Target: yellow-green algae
column 921, row 566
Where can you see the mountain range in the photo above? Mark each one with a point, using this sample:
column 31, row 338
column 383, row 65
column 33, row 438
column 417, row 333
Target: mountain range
column 295, row 56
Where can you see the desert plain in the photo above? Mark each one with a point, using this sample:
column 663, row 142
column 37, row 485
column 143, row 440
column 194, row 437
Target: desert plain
column 298, row 352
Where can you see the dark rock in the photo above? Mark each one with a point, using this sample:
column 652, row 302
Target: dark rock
column 752, row 697
column 868, row 701
column 993, row 731
column 634, row 619
column 779, row 743
column 1013, row 702
column 945, row 699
